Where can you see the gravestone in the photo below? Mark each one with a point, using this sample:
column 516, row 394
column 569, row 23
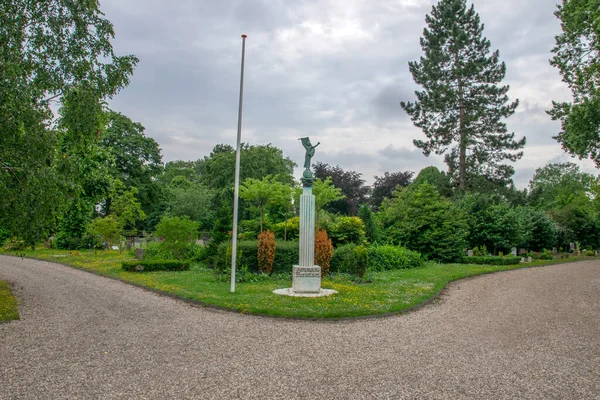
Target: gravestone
column 522, row 259
column 139, row 253
column 513, row 251
column 469, row 253
column 529, row 259
column 572, row 246
column 554, row 251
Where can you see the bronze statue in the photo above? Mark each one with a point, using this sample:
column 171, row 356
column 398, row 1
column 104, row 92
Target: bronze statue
column 310, row 151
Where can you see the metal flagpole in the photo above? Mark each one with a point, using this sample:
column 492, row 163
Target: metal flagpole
column 236, row 189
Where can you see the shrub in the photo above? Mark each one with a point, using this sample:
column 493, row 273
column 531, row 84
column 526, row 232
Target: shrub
column 177, row 232
column 590, row 253
column 107, row 228
column 266, row 252
column 361, row 254
column 286, row 255
column 385, row 258
column 323, row 251
column 491, row 260
column 159, row 251
column 348, row 230
column 371, row 228
column 420, row 219
column 344, row 259
column 289, row 229
column 157, row 265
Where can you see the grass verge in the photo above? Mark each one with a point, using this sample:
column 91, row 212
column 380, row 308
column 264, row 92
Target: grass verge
column 8, row 303
column 390, row 291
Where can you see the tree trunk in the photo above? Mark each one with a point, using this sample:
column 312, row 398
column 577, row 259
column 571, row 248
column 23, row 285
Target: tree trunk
column 463, row 139
column 261, row 217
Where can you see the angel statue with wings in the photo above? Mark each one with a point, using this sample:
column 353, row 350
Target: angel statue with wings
column 310, row 151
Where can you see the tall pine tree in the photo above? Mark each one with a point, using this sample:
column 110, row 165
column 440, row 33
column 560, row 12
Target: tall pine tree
column 461, row 107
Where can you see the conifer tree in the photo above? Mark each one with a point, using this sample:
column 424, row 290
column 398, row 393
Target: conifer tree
column 461, row 106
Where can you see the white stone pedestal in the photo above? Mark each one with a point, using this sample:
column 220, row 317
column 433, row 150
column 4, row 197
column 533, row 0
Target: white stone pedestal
column 306, row 279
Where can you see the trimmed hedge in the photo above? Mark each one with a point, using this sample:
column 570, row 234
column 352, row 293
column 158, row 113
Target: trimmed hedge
column 385, row 258
column 344, row 259
column 286, row 255
column 491, row 260
column 157, row 265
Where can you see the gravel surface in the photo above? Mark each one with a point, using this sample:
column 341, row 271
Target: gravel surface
column 526, row 334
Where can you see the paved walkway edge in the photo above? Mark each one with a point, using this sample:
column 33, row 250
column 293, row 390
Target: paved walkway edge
column 325, row 319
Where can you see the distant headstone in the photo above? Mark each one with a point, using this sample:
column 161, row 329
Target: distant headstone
column 470, row 253
column 554, row 251
column 115, row 247
column 522, row 259
column 572, row 246
column 513, row 251
column 529, row 259
column 139, row 253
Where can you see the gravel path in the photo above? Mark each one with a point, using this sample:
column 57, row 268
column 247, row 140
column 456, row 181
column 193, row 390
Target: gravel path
column 526, row 334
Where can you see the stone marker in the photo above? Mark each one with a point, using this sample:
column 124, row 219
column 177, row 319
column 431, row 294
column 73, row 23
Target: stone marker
column 572, row 246
column 513, row 251
column 469, row 253
column 115, row 247
column 139, row 253
column 554, row 251
column 529, row 259
column 522, row 259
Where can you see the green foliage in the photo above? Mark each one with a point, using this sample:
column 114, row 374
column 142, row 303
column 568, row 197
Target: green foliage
column 538, row 229
column 191, row 199
column 126, row 207
column 493, row 222
column 177, row 232
column 386, row 258
column 434, row 177
column 384, row 186
column 52, row 52
column 371, row 228
column 265, row 191
column 344, row 259
column 421, row 220
column 159, row 251
column 590, row 253
column 462, row 107
column 9, row 309
column 361, row 255
column 291, row 228
column 577, row 224
column 155, row 265
column 324, row 191
column 347, row 230
column 137, row 159
column 560, row 185
column 107, row 228
column 491, row 260
column 286, row 255
column 577, row 56
column 256, row 161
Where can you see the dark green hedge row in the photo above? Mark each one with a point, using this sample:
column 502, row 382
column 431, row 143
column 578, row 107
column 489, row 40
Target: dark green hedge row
column 381, row 258
column 491, row 260
column 286, row 255
column 157, row 265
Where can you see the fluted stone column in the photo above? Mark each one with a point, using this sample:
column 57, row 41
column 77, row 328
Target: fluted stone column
column 307, row 276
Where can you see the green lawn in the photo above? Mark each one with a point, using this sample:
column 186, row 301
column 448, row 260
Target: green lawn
column 8, row 303
column 392, row 291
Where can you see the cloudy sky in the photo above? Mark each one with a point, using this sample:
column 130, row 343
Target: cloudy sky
column 334, row 70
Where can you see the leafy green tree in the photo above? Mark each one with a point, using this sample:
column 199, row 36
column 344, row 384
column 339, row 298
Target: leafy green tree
column 424, row 221
column 492, row 222
column 137, row 158
column 191, row 199
column 559, row 185
column 368, row 218
column 538, row 229
column 177, row 233
column 352, row 186
column 462, row 106
column 126, row 207
column 347, row 230
column 434, row 177
column 49, row 49
column 577, row 56
column 384, row 185
column 261, row 192
column 107, row 228
column 256, row 161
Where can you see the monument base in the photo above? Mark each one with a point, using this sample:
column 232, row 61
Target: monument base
column 306, row 279
column 290, row 292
